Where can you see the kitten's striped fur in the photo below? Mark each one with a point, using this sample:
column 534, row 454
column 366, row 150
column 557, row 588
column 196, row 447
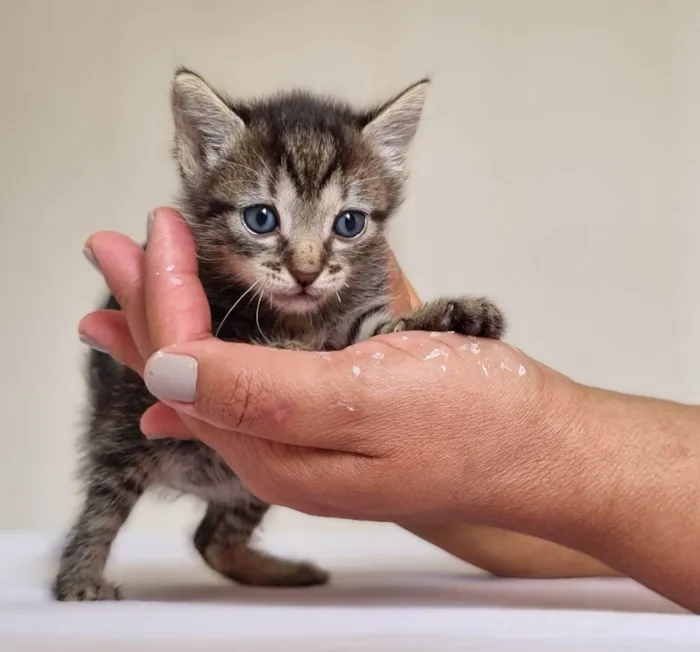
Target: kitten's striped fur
column 311, row 158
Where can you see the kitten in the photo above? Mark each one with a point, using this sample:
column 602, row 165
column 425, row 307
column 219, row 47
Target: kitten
column 288, row 198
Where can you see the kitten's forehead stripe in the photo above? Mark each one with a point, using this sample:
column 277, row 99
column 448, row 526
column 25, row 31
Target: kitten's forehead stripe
column 332, row 167
column 311, row 157
column 286, row 200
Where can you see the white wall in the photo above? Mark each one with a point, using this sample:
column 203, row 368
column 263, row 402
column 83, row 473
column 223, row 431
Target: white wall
column 557, row 170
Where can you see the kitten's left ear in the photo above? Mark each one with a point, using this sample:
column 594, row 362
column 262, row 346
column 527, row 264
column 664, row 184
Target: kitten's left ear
column 394, row 125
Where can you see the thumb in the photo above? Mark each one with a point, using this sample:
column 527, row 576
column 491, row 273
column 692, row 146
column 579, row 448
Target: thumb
column 292, row 397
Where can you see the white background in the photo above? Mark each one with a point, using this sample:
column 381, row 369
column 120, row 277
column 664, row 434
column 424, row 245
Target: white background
column 556, row 170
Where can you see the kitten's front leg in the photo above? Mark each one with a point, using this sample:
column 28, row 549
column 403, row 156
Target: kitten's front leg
column 476, row 316
column 109, row 501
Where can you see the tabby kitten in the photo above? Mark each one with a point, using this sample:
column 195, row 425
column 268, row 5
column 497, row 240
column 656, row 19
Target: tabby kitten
column 288, row 198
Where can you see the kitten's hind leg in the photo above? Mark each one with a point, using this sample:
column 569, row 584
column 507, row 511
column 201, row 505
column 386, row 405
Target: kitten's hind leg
column 476, row 316
column 223, row 540
column 108, row 503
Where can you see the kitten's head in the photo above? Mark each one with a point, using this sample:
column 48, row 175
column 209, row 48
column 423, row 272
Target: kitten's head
column 291, row 193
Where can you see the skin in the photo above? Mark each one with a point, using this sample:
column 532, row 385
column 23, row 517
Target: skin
column 611, row 476
column 501, row 553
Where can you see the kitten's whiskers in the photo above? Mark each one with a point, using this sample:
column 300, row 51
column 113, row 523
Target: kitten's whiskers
column 233, row 307
column 257, row 315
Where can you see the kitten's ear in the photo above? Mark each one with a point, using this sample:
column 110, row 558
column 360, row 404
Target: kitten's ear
column 206, row 129
column 394, row 125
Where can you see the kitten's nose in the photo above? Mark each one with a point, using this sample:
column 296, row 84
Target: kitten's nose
column 305, row 278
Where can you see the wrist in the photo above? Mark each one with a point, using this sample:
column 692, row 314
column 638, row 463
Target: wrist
column 538, row 473
column 557, row 481
column 591, row 456
column 639, row 472
column 588, row 467
column 625, row 469
column 568, row 476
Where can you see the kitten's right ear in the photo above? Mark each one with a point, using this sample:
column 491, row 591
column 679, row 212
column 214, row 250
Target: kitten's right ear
column 206, row 129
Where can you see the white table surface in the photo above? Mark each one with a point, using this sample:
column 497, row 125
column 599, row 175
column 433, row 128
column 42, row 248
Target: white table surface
column 392, row 592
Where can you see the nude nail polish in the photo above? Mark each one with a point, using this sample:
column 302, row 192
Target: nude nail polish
column 172, row 377
column 87, row 252
column 91, row 343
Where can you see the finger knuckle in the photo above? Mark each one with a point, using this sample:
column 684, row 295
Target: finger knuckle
column 238, row 403
column 128, row 293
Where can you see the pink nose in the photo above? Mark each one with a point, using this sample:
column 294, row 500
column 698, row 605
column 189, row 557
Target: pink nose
column 304, row 278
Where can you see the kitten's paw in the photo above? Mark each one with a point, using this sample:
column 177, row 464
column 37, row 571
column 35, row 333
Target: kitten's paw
column 84, row 590
column 478, row 317
column 252, row 567
column 294, row 574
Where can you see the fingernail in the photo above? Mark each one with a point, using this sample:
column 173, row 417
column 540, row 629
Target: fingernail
column 172, row 377
column 91, row 343
column 149, row 225
column 87, row 252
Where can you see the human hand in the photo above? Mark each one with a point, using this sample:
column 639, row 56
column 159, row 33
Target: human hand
column 401, row 427
column 528, row 452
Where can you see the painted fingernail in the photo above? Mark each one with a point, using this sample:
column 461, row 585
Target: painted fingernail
column 172, row 377
column 149, row 225
column 91, row 343
column 154, row 435
column 87, row 252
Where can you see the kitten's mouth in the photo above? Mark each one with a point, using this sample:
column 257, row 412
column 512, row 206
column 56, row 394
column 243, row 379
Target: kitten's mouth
column 300, row 301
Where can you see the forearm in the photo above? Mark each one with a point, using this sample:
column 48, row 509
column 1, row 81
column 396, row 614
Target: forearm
column 629, row 496
column 509, row 554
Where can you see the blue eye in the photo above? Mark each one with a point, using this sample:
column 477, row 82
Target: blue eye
column 260, row 219
column 349, row 224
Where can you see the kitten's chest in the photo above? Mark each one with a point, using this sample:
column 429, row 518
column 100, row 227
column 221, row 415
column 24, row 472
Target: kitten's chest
column 201, row 473
column 312, row 336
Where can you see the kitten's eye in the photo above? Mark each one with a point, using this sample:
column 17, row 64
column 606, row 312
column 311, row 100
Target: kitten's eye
column 260, row 219
column 349, row 224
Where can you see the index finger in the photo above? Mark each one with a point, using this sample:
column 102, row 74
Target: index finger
column 121, row 263
column 176, row 305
